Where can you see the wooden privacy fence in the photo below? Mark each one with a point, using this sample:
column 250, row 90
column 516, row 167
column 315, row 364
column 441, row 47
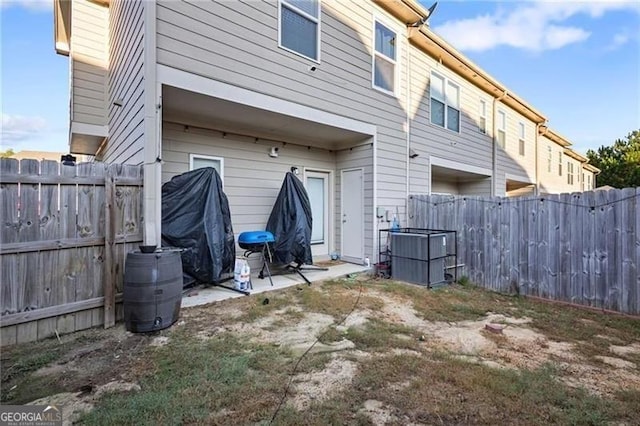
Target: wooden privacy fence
column 582, row 248
column 64, row 234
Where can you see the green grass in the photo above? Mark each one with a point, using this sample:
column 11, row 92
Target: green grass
column 378, row 335
column 189, row 380
column 230, row 379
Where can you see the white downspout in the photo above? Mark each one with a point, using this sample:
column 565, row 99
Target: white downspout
column 537, row 153
column 152, row 207
column 408, row 124
column 494, row 168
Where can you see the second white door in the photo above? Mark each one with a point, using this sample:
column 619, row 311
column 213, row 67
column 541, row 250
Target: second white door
column 317, row 184
column 352, row 215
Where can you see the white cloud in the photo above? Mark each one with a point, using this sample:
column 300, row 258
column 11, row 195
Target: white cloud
column 17, row 128
column 32, row 5
column 619, row 40
column 534, row 26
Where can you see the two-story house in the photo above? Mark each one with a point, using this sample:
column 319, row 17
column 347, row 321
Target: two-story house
column 358, row 96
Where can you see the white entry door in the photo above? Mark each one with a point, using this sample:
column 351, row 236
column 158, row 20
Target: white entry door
column 317, row 184
column 352, row 214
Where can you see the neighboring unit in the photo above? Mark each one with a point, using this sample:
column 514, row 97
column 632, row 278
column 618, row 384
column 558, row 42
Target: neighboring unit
column 369, row 105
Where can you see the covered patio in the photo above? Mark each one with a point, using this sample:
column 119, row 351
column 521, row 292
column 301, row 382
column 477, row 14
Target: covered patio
column 202, row 295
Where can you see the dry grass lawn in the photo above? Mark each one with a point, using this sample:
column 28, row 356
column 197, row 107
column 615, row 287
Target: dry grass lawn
column 400, row 355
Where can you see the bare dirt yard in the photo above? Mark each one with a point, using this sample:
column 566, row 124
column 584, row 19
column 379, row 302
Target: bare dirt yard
column 353, row 351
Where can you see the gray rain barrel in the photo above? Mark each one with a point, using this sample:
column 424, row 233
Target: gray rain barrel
column 152, row 290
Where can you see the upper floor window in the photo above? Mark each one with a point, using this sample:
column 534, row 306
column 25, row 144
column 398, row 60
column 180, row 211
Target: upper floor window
column 569, row 172
column 482, row 125
column 521, row 135
column 300, row 27
column 197, row 161
column 384, row 58
column 445, row 103
column 560, row 163
column 589, row 182
column 502, row 129
column 549, row 159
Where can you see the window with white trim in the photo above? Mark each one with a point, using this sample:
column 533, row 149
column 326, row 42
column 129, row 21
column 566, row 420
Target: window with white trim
column 299, row 27
column 589, row 182
column 197, row 161
column 549, row 159
column 521, row 138
column 569, row 172
column 482, row 125
column 384, row 58
column 583, row 183
column 560, row 163
column 445, row 102
column 502, row 129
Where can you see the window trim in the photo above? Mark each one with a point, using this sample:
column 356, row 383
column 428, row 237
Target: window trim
column 522, row 138
column 395, row 62
column 307, row 16
column 207, row 157
column 570, row 177
column 483, row 114
column 501, row 129
column 559, row 163
column 446, row 81
column 549, row 160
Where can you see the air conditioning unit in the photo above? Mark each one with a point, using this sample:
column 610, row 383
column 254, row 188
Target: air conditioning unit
column 418, row 258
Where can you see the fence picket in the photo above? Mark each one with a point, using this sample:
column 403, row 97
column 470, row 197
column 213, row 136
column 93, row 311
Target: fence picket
column 53, row 225
column 582, row 247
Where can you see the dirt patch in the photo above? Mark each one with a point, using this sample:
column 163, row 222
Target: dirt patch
column 378, row 413
column 616, row 362
column 355, row 320
column 321, row 385
column 86, row 360
column 75, row 404
column 632, row 349
column 299, row 335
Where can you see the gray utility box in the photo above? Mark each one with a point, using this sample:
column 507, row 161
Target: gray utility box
column 418, row 258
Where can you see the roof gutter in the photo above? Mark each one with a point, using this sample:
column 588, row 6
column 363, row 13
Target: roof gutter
column 62, row 26
column 554, row 136
column 410, row 12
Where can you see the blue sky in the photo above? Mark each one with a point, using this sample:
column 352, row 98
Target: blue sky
column 576, row 62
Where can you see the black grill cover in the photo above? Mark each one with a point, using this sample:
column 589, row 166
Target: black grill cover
column 290, row 223
column 196, row 217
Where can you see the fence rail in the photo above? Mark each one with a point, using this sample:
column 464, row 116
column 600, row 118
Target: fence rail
column 582, row 248
column 64, row 234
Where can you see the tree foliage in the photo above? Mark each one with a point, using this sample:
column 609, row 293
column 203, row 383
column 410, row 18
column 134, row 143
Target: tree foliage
column 620, row 162
column 6, row 154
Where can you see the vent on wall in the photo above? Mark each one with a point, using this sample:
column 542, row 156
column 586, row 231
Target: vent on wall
column 418, row 258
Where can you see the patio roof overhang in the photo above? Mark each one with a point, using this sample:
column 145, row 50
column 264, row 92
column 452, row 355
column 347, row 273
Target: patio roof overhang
column 201, row 110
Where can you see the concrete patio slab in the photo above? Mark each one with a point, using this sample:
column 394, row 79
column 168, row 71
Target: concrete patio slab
column 202, row 295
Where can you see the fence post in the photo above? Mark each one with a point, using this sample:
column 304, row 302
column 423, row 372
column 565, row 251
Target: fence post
column 109, row 261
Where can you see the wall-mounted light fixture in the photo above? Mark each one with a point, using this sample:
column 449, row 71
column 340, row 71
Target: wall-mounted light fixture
column 412, row 153
column 273, row 153
column 118, row 102
column 295, row 170
column 68, row 160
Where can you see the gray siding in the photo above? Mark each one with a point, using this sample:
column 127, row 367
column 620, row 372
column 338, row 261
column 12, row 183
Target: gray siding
column 211, row 39
column 126, row 131
column 509, row 159
column 89, row 59
column 479, row 187
column 444, row 187
column 469, row 145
